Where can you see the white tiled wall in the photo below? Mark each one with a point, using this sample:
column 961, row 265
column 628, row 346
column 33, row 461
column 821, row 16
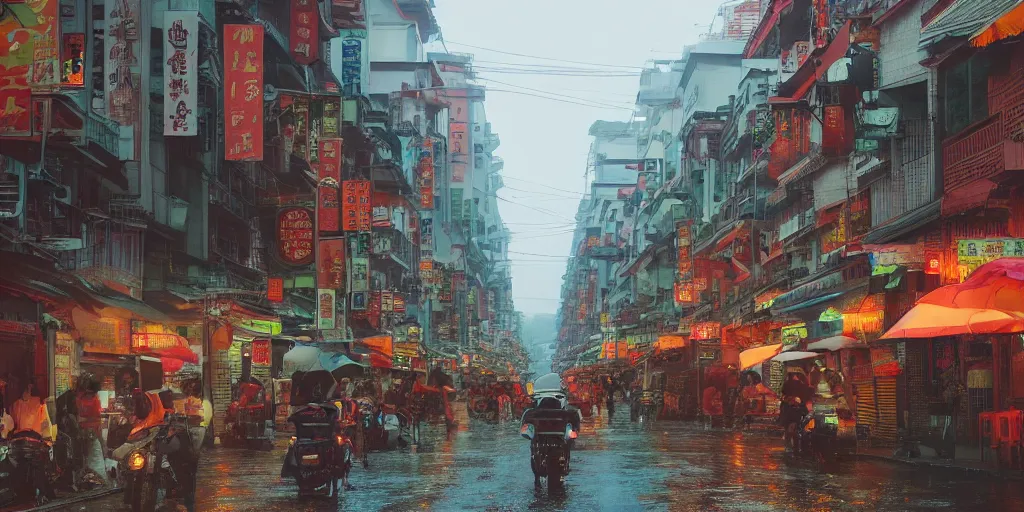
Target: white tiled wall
column 900, row 34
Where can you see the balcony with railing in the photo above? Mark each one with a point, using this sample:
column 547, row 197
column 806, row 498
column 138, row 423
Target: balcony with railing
column 390, row 244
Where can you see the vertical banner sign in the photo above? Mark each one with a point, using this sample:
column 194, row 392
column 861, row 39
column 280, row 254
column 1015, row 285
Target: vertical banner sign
column 327, row 210
column 331, row 118
column 457, row 204
column 331, row 264
column 458, row 138
column 15, row 93
column 684, row 289
column 359, row 278
column 330, row 159
column 72, row 60
column 121, row 46
column 275, row 289
column 364, row 210
column 243, row 92
column 427, row 174
column 325, row 309
column 352, row 63
column 43, row 21
column 305, row 31
column 349, row 206
column 300, row 128
column 181, row 48
column 295, row 236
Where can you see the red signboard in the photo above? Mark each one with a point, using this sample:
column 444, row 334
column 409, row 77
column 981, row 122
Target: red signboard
column 330, row 159
column 305, row 31
column 331, row 264
column 243, row 92
column 356, row 207
column 399, row 303
column 834, row 139
column 275, row 289
column 261, row 352
column 706, row 331
column 327, row 208
column 295, row 236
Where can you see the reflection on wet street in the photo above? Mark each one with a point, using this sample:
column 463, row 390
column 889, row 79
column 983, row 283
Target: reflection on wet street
column 621, row 467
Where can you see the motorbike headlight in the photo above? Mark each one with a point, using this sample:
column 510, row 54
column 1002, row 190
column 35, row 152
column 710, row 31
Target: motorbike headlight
column 340, row 440
column 136, row 461
column 291, row 441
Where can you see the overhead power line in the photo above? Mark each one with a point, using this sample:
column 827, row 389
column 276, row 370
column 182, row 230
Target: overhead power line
column 542, row 255
column 560, row 100
column 553, row 93
column 539, row 183
column 543, row 58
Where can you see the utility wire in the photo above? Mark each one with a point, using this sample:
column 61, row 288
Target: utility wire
column 541, row 184
column 563, row 196
column 542, row 58
column 539, row 210
column 614, row 107
column 543, row 255
column 547, row 92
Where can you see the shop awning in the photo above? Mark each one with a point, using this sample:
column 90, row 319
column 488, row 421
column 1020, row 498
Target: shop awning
column 728, row 239
column 1010, row 24
column 964, row 18
column 973, row 195
column 795, row 355
column 755, row 356
column 931, row 321
column 814, row 68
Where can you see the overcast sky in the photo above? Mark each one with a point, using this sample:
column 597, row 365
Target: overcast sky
column 544, row 142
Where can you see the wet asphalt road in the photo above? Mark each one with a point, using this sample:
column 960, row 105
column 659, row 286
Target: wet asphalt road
column 621, row 467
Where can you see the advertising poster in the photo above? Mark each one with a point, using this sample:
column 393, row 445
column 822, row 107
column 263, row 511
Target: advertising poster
column 325, row 309
column 295, row 236
column 331, row 263
column 72, row 60
column 359, row 276
column 243, row 92
column 327, row 208
column 46, row 44
column 15, row 93
column 305, row 31
column 121, row 67
column 181, row 48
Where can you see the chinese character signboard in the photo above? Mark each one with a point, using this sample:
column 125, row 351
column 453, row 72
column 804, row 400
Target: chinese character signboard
column 364, row 210
column 46, row 45
column 305, row 35
column 275, row 289
column 294, row 122
column 706, row 331
column 327, row 211
column 352, row 63
column 331, row 264
column 458, row 138
column 684, row 288
column 330, row 159
column 295, row 236
column 972, row 254
column 325, row 309
column 72, row 63
column 181, row 49
column 834, row 133
column 427, row 174
column 121, row 67
column 243, row 92
column 15, row 93
column 261, row 352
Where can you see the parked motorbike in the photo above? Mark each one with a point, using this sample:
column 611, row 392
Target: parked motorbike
column 7, row 489
column 28, row 465
column 160, row 462
column 320, row 453
column 647, row 405
column 249, row 421
column 552, row 427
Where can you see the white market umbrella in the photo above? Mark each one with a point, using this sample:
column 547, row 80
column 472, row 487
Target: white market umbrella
column 834, row 343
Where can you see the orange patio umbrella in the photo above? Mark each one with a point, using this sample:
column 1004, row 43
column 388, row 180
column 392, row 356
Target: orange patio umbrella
column 755, row 356
column 930, row 320
column 995, row 285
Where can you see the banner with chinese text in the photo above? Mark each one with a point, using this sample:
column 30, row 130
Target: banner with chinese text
column 243, row 92
column 181, row 48
column 356, row 208
column 330, row 151
column 121, row 67
column 331, row 263
column 327, row 210
column 427, row 174
column 305, row 31
column 295, row 236
column 325, row 309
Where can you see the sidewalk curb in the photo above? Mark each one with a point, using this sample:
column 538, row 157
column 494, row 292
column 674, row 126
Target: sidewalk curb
column 1002, row 474
column 59, row 504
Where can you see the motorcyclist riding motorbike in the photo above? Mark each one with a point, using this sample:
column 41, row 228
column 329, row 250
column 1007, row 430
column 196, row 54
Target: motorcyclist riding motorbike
column 796, row 397
column 552, row 426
